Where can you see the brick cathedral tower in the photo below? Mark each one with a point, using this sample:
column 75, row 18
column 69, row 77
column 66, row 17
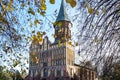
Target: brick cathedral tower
column 62, row 25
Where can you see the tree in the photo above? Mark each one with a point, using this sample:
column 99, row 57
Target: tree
column 111, row 72
column 99, row 30
column 4, row 75
column 15, row 17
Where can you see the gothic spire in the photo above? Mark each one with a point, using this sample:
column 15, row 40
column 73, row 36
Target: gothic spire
column 62, row 15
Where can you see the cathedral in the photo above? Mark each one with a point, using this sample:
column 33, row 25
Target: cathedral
column 57, row 61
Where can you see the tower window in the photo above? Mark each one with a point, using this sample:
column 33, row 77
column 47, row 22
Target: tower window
column 45, row 72
column 58, row 72
column 44, row 64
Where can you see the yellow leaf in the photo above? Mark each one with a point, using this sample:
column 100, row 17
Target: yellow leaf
column 54, row 36
column 9, row 6
column 23, row 5
column 59, row 42
column 39, row 34
column 70, row 43
column 90, row 10
column 76, row 44
column 2, row 19
column 52, row 1
column 32, row 54
column 10, row 3
column 33, row 37
column 42, row 1
column 36, row 60
column 36, row 22
column 30, row 24
column 68, row 1
column 60, row 30
column 54, row 23
column 63, row 38
column 1, row 28
column 43, row 6
column 44, row 33
column 0, row 0
column 68, row 37
column 59, row 24
column 31, row 11
column 40, row 39
column 73, row 3
column 42, row 13
column 3, row 6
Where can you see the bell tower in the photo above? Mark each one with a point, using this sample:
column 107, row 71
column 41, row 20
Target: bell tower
column 62, row 25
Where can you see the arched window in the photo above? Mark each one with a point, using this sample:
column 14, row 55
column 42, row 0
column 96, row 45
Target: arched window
column 58, row 72
column 45, row 72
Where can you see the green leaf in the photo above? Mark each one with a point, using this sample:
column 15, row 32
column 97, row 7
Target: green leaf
column 1, row 55
column 22, row 29
column 33, row 31
column 31, row 11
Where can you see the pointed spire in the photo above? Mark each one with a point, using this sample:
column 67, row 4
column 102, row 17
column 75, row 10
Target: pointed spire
column 62, row 15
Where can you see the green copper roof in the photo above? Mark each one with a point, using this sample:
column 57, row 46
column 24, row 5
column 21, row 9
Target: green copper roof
column 62, row 15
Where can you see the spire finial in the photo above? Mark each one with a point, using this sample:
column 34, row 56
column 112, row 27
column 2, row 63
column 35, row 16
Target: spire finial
column 62, row 15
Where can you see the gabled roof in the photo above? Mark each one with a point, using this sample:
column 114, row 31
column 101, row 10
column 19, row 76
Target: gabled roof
column 62, row 15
